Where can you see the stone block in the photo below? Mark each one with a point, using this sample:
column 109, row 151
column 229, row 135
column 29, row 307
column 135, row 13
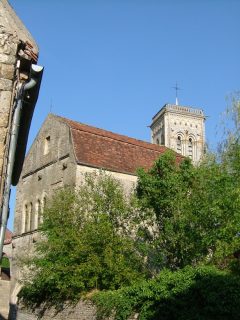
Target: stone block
column 1, row 164
column 8, row 59
column 6, row 71
column 5, row 84
column 8, row 42
column 2, row 149
column 3, row 119
column 3, row 133
column 5, row 101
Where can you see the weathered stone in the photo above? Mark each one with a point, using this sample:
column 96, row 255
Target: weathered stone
column 13, row 26
column 2, row 148
column 8, row 43
column 83, row 310
column 5, row 84
column 6, row 71
column 3, row 135
column 3, row 119
column 8, row 59
column 5, row 101
column 12, row 32
column 4, row 301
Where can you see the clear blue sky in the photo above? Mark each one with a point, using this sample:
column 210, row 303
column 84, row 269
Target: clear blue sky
column 113, row 63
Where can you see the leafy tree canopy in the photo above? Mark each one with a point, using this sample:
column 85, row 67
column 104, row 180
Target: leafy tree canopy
column 86, row 243
column 197, row 208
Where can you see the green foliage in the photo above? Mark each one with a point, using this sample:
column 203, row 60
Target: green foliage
column 84, row 246
column 202, row 293
column 4, row 263
column 197, row 209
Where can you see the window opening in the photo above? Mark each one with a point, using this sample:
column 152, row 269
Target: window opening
column 47, row 145
column 31, row 217
column 27, row 218
column 162, row 139
column 179, row 144
column 190, row 148
column 24, row 221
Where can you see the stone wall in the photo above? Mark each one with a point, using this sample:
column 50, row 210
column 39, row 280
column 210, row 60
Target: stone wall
column 16, row 44
column 8, row 52
column 18, row 51
column 4, row 298
column 84, row 310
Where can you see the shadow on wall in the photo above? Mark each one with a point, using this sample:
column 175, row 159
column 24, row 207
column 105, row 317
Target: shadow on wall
column 2, row 318
column 12, row 312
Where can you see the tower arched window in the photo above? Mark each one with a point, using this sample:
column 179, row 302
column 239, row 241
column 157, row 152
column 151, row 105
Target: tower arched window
column 157, row 141
column 179, row 144
column 27, row 218
column 37, row 213
column 31, row 217
column 190, row 148
column 24, row 218
column 162, row 139
column 44, row 202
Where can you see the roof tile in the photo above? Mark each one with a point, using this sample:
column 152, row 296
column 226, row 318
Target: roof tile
column 107, row 150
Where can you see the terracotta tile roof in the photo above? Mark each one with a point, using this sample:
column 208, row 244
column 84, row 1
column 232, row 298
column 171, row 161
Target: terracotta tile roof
column 8, row 237
column 107, row 150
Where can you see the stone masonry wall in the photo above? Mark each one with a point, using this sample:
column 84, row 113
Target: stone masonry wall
column 16, row 43
column 4, row 298
column 84, row 310
column 8, row 51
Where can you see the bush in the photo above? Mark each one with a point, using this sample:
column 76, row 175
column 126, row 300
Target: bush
column 203, row 293
column 4, row 263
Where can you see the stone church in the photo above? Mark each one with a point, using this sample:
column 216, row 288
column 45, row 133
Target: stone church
column 64, row 150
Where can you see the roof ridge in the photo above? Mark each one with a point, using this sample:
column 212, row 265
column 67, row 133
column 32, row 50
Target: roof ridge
column 116, row 136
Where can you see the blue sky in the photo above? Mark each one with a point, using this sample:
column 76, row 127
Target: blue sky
column 113, row 63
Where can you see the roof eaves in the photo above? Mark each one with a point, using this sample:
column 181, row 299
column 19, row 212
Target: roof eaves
column 105, row 168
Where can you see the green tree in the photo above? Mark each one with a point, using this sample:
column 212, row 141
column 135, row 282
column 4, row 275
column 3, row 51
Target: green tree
column 85, row 244
column 196, row 210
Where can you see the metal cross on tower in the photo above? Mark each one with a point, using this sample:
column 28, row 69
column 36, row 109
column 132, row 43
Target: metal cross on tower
column 177, row 88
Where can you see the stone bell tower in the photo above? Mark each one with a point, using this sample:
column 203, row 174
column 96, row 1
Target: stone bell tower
column 181, row 129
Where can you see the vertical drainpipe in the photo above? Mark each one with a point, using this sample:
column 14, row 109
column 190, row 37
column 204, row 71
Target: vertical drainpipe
column 11, row 156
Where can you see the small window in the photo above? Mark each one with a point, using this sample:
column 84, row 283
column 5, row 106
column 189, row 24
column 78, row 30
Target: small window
column 44, row 202
column 190, row 148
column 157, row 141
column 37, row 214
column 47, row 145
column 31, row 217
column 24, row 218
column 162, row 139
column 27, row 218
column 179, row 144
